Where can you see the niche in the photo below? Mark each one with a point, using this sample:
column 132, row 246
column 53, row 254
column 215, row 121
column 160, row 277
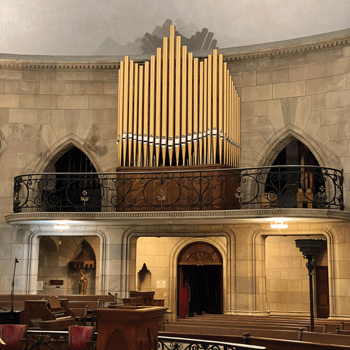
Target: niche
column 144, row 279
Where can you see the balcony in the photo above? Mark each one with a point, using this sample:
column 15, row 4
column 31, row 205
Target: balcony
column 181, row 190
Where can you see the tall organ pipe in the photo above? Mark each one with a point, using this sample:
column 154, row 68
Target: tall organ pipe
column 177, row 110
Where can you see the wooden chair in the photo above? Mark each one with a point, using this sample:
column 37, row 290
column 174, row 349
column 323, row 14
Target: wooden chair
column 12, row 336
column 80, row 337
column 81, row 314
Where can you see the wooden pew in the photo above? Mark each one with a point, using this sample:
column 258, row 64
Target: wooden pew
column 272, row 330
column 100, row 300
column 269, row 343
column 321, row 325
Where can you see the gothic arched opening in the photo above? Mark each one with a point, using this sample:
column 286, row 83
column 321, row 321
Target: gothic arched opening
column 69, row 191
column 295, row 180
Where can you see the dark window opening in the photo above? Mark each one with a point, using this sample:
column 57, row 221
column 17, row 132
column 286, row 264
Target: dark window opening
column 73, row 192
column 295, row 183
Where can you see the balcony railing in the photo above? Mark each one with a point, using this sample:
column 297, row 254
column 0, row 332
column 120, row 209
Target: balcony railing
column 210, row 189
column 174, row 343
column 58, row 340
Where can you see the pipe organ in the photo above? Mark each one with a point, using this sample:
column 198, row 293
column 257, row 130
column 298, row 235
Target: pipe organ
column 177, row 110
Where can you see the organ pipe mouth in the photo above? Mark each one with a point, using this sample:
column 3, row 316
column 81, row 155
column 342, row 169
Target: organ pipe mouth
column 177, row 110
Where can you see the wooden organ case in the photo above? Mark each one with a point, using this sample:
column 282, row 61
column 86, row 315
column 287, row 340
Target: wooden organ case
column 178, row 130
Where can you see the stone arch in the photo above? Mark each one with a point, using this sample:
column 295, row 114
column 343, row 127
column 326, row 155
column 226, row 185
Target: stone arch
column 188, row 236
column 46, row 231
column 200, row 253
column 62, row 146
column 226, row 276
column 281, row 139
column 259, row 263
column 55, row 254
column 199, row 280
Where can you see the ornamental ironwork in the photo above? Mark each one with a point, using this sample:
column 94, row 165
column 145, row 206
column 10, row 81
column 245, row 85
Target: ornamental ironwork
column 199, row 189
column 174, row 343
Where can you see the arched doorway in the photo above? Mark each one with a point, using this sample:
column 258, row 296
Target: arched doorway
column 199, row 280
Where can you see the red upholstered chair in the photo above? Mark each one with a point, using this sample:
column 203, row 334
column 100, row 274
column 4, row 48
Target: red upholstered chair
column 79, row 337
column 12, row 335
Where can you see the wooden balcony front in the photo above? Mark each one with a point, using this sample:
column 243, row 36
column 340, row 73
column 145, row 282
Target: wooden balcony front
column 181, row 189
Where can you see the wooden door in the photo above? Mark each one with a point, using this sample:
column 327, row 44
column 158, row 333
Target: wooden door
column 322, row 292
column 184, row 295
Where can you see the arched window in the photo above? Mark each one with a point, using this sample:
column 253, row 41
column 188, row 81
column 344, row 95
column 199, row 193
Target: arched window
column 72, row 191
column 294, row 181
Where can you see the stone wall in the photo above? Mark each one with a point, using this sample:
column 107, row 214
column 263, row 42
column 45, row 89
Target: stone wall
column 300, row 94
column 43, row 111
column 48, row 104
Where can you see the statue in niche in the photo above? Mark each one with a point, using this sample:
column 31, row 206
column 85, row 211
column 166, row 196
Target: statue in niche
column 83, row 282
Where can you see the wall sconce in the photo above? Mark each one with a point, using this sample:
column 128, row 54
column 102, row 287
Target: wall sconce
column 61, row 227
column 279, row 224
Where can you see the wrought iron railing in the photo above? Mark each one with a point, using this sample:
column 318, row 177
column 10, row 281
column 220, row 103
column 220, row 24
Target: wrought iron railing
column 210, row 189
column 55, row 340
column 173, row 343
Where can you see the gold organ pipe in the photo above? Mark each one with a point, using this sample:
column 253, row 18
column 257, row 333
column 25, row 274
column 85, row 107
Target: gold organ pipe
column 225, row 113
column 140, row 117
column 171, row 104
column 220, row 107
column 158, row 104
column 177, row 106
column 232, row 123
column 164, row 100
column 146, row 115
column 190, row 107
column 205, row 111
column 177, row 98
column 183, row 117
column 152, row 110
column 120, row 113
column 229, row 120
column 201, row 111
column 125, row 109
column 239, row 129
column 228, row 111
column 195, row 110
column 135, row 123
column 209, row 109
column 215, row 104
column 236, row 135
column 130, row 116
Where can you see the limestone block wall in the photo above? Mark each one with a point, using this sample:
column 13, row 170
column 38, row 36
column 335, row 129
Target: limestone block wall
column 44, row 108
column 287, row 283
column 300, row 94
column 155, row 253
column 342, row 271
column 160, row 256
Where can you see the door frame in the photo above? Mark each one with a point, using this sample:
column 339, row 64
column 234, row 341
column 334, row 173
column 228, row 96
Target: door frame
column 189, row 256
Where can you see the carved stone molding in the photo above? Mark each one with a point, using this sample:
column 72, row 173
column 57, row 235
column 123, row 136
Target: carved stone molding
column 224, row 216
column 282, row 48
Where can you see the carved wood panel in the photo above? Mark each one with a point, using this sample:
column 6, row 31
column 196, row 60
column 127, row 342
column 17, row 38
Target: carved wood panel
column 200, row 253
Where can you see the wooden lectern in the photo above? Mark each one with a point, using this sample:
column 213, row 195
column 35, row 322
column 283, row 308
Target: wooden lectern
column 128, row 328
